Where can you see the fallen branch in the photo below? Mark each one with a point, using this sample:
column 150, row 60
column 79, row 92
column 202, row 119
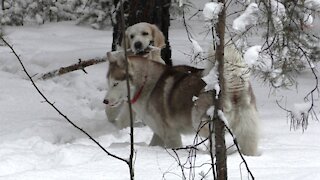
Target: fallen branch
column 82, row 64
column 78, row 66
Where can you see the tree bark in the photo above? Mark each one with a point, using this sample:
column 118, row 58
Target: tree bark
column 219, row 126
column 151, row 11
column 2, row 4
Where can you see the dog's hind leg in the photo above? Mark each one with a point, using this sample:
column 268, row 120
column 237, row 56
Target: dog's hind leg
column 172, row 138
column 247, row 131
column 156, row 141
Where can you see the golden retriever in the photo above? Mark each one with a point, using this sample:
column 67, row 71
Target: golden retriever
column 141, row 36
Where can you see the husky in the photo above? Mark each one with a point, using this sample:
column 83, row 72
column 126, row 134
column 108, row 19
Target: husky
column 162, row 95
column 163, row 99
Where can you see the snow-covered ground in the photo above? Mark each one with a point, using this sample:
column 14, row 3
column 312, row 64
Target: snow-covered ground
column 36, row 143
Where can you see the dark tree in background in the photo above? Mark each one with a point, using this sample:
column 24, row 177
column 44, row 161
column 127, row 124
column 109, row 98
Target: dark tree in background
column 151, row 11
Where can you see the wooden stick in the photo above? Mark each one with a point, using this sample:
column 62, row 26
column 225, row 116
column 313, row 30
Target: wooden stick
column 78, row 66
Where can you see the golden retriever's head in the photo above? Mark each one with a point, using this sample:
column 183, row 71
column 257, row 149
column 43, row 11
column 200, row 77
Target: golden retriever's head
column 140, row 36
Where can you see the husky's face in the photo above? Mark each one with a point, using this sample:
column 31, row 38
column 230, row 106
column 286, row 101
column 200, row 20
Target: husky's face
column 117, row 92
column 116, row 77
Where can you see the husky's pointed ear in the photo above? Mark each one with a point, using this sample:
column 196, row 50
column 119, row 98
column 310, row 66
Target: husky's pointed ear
column 110, row 57
column 125, row 41
column 158, row 37
column 116, row 57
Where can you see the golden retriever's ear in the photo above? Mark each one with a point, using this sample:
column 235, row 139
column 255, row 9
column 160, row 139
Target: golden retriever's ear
column 158, row 37
column 127, row 43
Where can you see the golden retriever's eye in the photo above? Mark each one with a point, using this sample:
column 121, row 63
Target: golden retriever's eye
column 131, row 36
column 145, row 33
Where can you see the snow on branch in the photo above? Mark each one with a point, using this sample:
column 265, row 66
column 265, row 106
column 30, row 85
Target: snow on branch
column 197, row 49
column 251, row 56
column 313, row 4
column 211, row 11
column 248, row 18
column 212, row 81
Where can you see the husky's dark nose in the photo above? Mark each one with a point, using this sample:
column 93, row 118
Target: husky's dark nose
column 138, row 45
column 105, row 101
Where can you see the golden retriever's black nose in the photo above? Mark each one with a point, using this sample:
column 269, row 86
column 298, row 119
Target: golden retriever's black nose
column 138, row 45
column 105, row 101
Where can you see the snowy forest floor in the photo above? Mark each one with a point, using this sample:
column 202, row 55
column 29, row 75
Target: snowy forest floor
column 37, row 143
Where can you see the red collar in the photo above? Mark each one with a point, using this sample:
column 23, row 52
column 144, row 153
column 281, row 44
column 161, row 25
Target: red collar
column 138, row 94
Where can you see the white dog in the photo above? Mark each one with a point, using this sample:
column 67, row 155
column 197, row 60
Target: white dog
column 239, row 103
column 138, row 39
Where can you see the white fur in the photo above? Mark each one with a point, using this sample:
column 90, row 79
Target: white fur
column 239, row 107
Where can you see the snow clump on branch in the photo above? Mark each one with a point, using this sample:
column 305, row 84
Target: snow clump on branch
column 249, row 17
column 211, row 11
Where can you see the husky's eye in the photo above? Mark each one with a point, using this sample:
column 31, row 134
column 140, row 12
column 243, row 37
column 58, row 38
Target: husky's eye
column 115, row 84
column 145, row 33
column 131, row 36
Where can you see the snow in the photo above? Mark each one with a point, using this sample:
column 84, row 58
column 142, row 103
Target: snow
column 197, row 49
column 248, row 18
column 211, row 10
column 251, row 56
column 300, row 109
column 212, row 81
column 36, row 143
column 223, row 117
column 313, row 4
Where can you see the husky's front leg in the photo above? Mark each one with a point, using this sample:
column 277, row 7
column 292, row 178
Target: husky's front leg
column 112, row 113
column 119, row 116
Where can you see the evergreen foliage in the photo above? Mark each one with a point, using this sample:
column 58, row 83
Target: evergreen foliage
column 20, row 12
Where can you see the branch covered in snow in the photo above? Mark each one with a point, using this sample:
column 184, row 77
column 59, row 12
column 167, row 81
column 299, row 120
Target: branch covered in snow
column 211, row 11
column 248, row 18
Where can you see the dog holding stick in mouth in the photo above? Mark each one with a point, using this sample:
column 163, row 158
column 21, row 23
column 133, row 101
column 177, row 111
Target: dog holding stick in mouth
column 140, row 39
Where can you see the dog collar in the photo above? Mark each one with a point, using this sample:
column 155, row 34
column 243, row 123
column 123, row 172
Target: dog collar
column 138, row 94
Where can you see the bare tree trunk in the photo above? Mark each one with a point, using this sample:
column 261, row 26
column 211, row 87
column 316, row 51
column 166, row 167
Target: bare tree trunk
column 219, row 126
column 151, row 11
column 2, row 4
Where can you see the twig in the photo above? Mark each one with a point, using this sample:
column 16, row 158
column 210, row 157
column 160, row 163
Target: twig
column 130, row 162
